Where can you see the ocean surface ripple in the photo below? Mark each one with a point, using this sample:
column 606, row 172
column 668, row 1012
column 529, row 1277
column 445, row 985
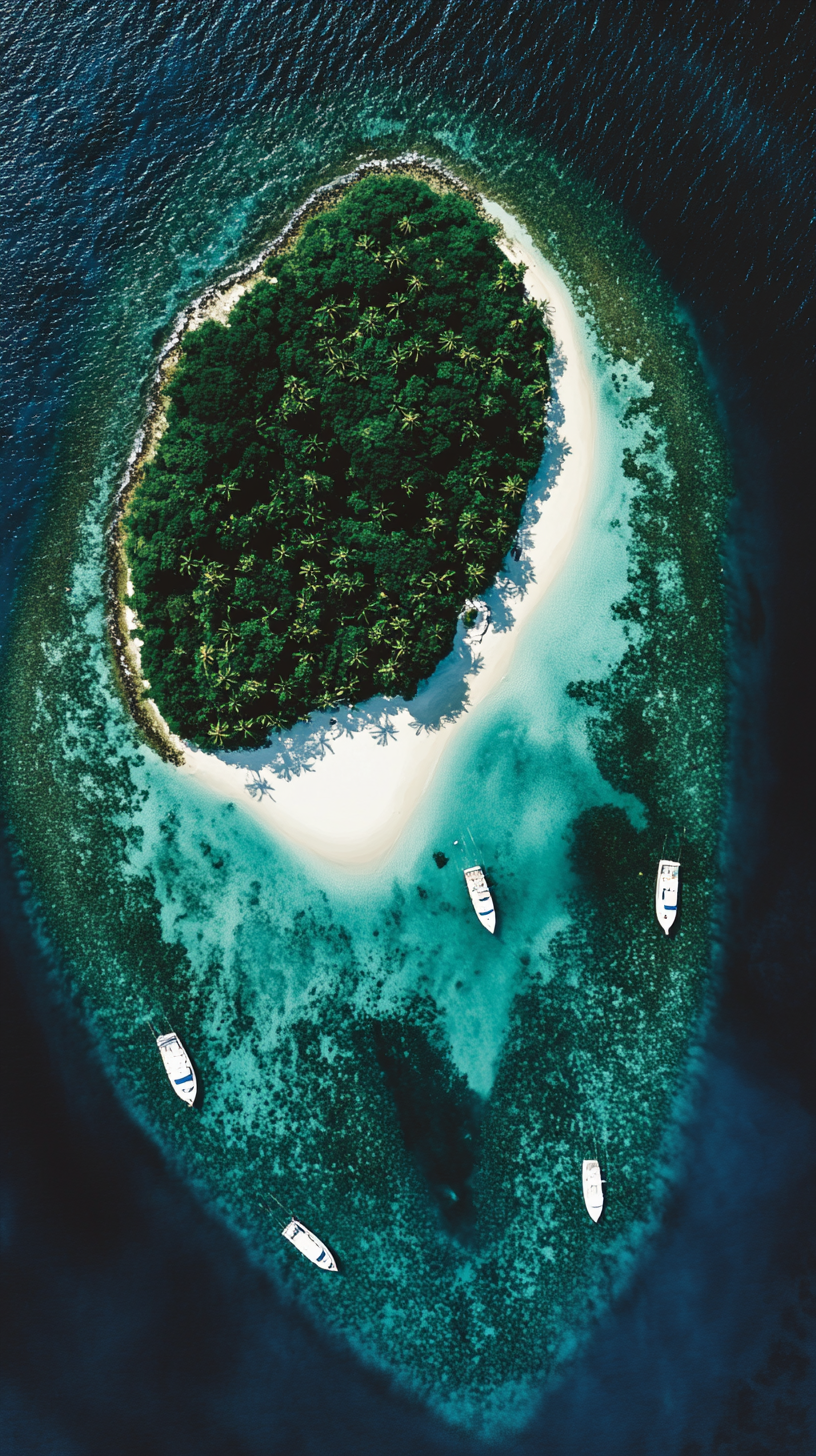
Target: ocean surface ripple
column 143, row 151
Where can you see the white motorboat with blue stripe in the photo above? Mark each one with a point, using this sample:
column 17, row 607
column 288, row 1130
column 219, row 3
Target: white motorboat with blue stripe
column 309, row 1245
column 666, row 892
column 178, row 1067
column 480, row 896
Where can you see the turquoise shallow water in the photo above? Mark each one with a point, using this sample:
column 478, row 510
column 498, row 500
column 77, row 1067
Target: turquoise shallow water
column 423, row 1093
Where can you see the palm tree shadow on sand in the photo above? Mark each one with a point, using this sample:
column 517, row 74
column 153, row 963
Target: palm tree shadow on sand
column 445, row 696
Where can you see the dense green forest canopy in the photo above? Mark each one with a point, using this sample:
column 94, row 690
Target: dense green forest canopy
column 344, row 464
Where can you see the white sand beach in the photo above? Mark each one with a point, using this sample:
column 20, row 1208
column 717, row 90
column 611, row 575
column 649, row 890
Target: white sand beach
column 345, row 784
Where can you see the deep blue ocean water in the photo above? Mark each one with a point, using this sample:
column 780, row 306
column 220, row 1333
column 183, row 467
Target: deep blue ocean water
column 695, row 125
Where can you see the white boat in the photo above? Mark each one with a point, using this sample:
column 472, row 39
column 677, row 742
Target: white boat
column 666, row 888
column 178, row 1067
column 593, row 1188
column 309, row 1245
column 480, row 896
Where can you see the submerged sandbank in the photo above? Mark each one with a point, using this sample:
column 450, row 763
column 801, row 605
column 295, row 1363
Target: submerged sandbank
column 344, row 785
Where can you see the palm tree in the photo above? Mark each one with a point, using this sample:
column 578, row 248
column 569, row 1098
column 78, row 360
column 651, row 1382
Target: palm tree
column 218, row 732
column 328, row 312
column 336, row 363
column 415, row 348
column 448, row 341
column 207, row 656
column 395, row 257
column 410, row 418
column 499, row 527
column 371, row 320
column 314, row 513
column 405, row 225
column 416, row 284
column 514, row 487
column 214, row 576
column 297, row 396
column 396, row 303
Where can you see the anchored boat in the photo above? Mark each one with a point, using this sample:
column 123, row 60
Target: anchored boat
column 666, row 888
column 480, row 896
column 309, row 1245
column 178, row 1067
column 593, row 1188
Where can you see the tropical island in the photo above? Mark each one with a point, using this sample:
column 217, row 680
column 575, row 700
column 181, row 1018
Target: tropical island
column 344, row 464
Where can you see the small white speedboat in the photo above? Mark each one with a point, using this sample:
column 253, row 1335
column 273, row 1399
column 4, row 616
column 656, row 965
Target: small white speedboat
column 309, row 1245
column 178, row 1067
column 666, row 888
column 593, row 1188
column 480, row 897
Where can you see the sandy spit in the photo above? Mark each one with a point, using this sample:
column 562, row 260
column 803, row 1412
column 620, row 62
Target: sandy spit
column 345, row 784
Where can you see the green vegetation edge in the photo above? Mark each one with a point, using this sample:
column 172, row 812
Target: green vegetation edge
column 344, row 462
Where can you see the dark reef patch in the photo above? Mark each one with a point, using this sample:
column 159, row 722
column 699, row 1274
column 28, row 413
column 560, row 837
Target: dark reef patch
column 439, row 1115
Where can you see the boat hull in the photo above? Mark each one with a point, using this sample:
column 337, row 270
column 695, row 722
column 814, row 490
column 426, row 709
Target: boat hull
column 179, row 1068
column 481, row 898
column 310, row 1246
column 593, row 1188
column 667, row 889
